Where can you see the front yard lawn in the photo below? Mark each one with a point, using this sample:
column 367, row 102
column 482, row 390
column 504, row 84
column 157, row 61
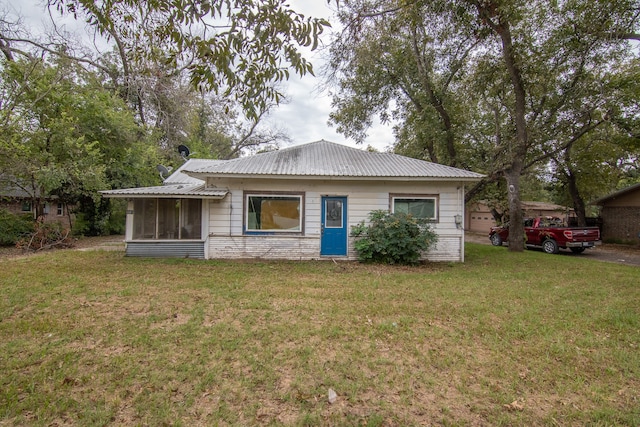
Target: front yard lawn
column 93, row 338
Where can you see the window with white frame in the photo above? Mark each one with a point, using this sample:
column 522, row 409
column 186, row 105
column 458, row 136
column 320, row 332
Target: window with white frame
column 167, row 219
column 60, row 209
column 424, row 207
column 267, row 213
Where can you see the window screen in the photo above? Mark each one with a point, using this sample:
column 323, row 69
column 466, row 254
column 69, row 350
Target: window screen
column 169, row 219
column 191, row 221
column 144, row 218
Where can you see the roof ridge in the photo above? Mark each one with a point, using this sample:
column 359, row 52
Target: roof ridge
column 281, row 150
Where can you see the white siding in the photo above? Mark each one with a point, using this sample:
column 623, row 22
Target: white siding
column 226, row 238
column 264, row 247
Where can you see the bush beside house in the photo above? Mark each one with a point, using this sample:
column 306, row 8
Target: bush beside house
column 13, row 227
column 393, row 238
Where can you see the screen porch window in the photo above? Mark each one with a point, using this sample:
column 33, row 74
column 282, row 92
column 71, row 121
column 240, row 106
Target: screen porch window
column 418, row 207
column 273, row 213
column 167, row 219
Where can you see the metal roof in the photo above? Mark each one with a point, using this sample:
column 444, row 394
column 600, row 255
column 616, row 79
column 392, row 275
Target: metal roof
column 185, row 191
column 178, row 184
column 323, row 159
column 178, row 177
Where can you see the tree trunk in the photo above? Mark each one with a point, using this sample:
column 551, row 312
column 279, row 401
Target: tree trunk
column 66, row 207
column 6, row 49
column 489, row 11
column 38, row 208
column 516, row 222
column 497, row 216
column 578, row 202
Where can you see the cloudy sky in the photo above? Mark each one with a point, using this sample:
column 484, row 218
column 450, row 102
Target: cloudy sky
column 304, row 118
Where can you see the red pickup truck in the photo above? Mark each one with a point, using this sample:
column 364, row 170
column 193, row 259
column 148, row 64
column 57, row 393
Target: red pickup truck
column 550, row 234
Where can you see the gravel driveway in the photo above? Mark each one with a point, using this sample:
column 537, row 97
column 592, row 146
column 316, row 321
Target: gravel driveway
column 621, row 254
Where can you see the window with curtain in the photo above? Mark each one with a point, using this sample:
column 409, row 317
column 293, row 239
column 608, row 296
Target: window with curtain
column 418, row 207
column 273, row 213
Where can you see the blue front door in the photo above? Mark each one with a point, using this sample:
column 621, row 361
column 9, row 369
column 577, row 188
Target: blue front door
column 334, row 226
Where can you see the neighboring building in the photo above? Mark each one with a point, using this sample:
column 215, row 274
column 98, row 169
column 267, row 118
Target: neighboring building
column 547, row 210
column 295, row 203
column 18, row 201
column 479, row 218
column 620, row 213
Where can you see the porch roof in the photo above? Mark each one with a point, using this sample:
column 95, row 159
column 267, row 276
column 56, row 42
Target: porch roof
column 183, row 191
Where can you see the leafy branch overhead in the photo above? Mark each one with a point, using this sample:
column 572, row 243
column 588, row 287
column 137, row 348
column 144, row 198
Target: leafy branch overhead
column 237, row 48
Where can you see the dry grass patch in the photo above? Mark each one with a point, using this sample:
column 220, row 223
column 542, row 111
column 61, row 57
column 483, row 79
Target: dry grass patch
column 92, row 338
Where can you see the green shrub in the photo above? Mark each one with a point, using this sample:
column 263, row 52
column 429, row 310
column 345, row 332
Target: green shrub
column 13, row 227
column 392, row 238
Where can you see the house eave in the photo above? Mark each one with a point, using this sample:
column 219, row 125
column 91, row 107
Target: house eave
column 204, row 176
column 601, row 201
column 167, row 192
column 161, row 196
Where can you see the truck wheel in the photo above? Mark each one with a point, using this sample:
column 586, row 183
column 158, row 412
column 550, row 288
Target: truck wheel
column 577, row 250
column 550, row 246
column 496, row 240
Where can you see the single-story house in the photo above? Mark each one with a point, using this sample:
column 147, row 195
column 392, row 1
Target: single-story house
column 17, row 201
column 620, row 213
column 296, row 203
column 479, row 218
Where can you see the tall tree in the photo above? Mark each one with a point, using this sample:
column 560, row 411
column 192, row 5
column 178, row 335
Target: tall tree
column 215, row 130
column 403, row 63
column 63, row 135
column 591, row 163
column 524, row 76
